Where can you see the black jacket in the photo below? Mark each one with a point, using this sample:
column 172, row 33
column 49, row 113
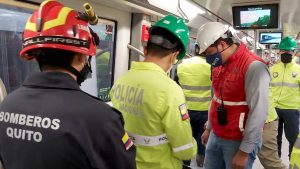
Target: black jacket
column 49, row 123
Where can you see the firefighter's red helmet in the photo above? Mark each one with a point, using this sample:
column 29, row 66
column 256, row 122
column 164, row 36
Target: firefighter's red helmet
column 55, row 26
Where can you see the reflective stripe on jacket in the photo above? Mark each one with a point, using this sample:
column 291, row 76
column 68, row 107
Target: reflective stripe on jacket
column 194, row 78
column 285, row 85
column 155, row 115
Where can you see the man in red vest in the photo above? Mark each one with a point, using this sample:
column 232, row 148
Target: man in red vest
column 238, row 110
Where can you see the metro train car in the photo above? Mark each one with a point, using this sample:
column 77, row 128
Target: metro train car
column 123, row 30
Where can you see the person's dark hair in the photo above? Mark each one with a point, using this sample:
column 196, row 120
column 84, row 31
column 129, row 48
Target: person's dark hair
column 158, row 50
column 52, row 57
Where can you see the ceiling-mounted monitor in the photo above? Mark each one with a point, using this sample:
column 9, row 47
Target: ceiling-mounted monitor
column 270, row 37
column 264, row 16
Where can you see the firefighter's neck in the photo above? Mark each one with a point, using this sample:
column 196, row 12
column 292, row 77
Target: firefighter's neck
column 51, row 68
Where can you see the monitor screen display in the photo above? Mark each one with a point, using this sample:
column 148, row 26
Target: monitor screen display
column 255, row 16
column 270, row 37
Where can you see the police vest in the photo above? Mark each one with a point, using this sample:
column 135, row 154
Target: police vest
column 156, row 117
column 295, row 157
column 285, row 85
column 194, row 78
column 229, row 80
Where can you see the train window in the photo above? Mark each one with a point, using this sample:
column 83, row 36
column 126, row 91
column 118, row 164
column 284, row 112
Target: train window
column 106, row 30
column 13, row 69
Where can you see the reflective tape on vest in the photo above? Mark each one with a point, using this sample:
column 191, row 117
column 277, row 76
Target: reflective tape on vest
column 187, row 87
column 198, row 99
column 229, row 103
column 278, row 84
column 241, row 121
column 182, row 148
column 148, row 140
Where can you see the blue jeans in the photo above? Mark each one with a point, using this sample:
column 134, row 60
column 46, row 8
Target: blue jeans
column 198, row 120
column 220, row 152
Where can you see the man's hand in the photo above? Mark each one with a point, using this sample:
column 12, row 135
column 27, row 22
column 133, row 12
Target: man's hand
column 204, row 137
column 240, row 160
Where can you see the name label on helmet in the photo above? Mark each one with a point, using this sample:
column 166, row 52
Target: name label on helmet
column 56, row 40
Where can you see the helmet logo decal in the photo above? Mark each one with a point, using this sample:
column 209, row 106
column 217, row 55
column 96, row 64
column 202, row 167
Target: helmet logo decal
column 294, row 74
column 275, row 74
column 166, row 22
column 85, row 28
column 56, row 40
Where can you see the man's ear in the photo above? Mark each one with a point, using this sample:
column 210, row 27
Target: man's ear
column 175, row 54
column 79, row 59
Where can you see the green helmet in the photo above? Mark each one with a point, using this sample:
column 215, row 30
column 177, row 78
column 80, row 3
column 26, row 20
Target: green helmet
column 287, row 43
column 178, row 28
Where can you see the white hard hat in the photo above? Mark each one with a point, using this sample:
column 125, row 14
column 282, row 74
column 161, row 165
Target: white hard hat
column 209, row 33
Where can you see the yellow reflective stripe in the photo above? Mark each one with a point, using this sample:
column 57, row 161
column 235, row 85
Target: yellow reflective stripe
column 30, row 25
column 182, row 148
column 198, row 99
column 284, row 84
column 188, row 87
column 44, row 3
column 229, row 103
column 60, row 20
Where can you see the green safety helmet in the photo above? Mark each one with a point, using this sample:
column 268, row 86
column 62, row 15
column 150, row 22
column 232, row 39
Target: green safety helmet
column 178, row 28
column 288, row 43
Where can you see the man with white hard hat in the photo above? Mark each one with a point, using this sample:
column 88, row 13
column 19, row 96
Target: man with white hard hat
column 240, row 81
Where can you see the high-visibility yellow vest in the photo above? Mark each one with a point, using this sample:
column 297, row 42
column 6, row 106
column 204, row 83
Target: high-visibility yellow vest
column 194, row 77
column 295, row 156
column 156, row 117
column 285, row 85
column 272, row 114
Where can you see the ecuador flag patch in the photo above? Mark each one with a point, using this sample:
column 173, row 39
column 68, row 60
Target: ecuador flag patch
column 183, row 111
column 127, row 141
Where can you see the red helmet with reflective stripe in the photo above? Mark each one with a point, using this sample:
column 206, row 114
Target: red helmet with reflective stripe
column 55, row 26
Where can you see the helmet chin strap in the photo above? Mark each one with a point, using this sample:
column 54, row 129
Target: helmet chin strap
column 81, row 75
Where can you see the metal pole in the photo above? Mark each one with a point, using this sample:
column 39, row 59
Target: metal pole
column 135, row 49
column 255, row 41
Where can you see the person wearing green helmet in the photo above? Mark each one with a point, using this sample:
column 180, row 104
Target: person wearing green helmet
column 285, row 89
column 153, row 105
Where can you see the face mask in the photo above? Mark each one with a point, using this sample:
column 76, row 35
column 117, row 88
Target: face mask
column 84, row 72
column 286, row 58
column 215, row 60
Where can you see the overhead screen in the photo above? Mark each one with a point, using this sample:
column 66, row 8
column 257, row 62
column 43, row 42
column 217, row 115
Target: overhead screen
column 270, row 37
column 255, row 16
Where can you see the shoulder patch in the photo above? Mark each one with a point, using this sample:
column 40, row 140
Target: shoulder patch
column 183, row 112
column 127, row 141
column 275, row 74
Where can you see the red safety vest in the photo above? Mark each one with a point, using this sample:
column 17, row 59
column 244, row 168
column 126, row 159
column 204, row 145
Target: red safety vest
column 230, row 80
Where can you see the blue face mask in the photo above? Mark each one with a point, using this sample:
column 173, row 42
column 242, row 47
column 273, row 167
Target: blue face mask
column 214, row 60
